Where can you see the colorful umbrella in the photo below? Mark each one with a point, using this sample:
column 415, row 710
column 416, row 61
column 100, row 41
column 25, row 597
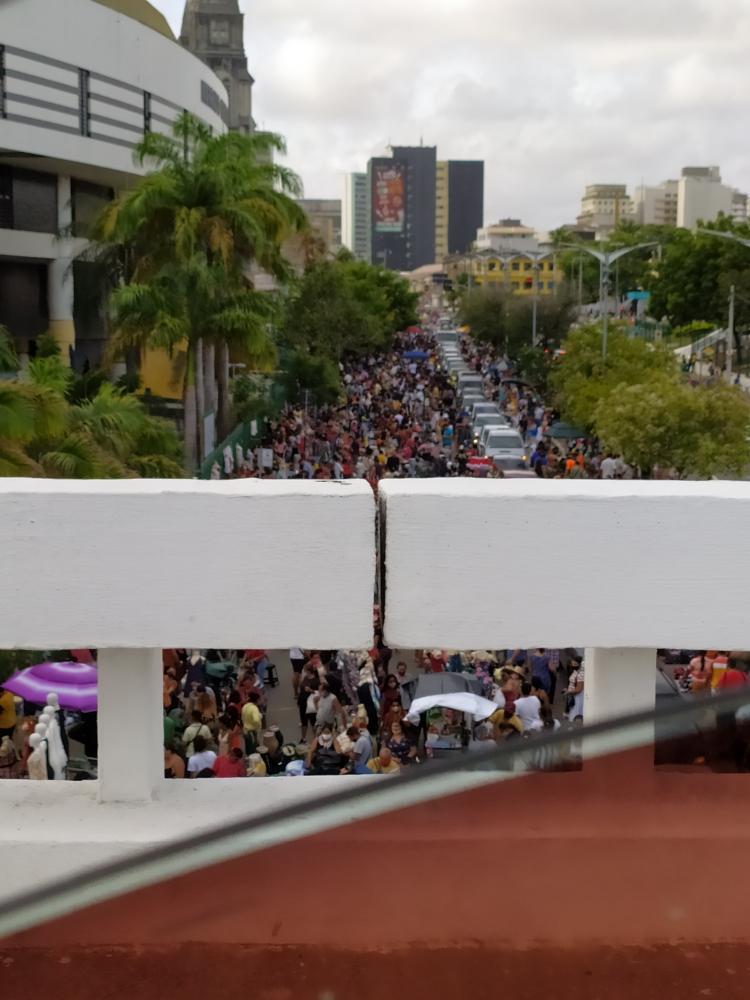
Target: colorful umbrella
column 73, row 683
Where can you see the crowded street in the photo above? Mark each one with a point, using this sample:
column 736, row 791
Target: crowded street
column 429, row 407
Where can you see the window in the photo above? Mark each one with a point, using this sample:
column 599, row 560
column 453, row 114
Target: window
column 87, row 202
column 551, row 285
column 493, row 265
column 527, row 266
column 219, row 32
column 551, row 266
column 516, row 266
column 34, row 201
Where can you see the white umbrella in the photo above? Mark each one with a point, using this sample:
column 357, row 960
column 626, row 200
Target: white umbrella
column 461, row 701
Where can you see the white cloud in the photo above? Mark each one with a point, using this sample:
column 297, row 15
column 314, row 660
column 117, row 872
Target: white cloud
column 551, row 95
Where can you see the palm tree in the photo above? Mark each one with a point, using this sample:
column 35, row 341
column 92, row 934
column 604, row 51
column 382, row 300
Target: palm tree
column 213, row 206
column 109, row 436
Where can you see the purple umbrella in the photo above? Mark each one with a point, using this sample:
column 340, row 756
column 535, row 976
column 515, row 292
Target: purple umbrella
column 73, row 683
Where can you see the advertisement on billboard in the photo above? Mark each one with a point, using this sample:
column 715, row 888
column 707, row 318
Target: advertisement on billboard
column 389, row 198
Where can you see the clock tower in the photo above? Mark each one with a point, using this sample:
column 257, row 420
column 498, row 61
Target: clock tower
column 213, row 31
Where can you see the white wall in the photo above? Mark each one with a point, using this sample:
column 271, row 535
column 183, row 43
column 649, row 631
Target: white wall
column 701, row 199
column 90, row 36
column 494, row 564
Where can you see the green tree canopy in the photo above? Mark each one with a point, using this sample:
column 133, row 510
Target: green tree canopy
column 700, row 432
column 505, row 320
column 582, row 378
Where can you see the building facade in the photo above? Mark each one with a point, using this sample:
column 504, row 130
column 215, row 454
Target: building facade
column 465, row 203
column 506, row 235
column 702, row 197
column 73, row 105
column 656, row 205
column 511, row 271
column 603, row 207
column 423, row 209
column 355, row 215
column 213, row 30
column 325, row 220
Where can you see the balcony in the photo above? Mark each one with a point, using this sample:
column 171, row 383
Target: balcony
column 618, row 567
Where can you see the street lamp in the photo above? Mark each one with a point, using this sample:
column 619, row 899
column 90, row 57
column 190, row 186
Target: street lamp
column 732, row 292
column 606, row 259
column 536, row 256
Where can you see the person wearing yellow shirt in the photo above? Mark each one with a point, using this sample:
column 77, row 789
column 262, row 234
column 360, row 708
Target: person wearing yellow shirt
column 8, row 717
column 384, row 763
column 252, row 723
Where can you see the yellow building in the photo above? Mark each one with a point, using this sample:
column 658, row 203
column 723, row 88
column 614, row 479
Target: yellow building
column 514, row 272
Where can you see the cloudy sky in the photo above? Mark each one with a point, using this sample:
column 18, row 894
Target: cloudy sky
column 551, row 95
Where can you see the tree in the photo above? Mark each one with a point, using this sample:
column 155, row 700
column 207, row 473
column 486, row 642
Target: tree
column 346, row 307
column 109, row 436
column 582, row 378
column 700, row 432
column 212, row 205
column 506, row 321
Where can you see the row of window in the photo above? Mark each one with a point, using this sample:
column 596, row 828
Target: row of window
column 28, row 201
column 493, row 265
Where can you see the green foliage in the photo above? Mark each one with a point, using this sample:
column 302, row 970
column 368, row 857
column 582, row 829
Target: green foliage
column 48, row 347
column 505, row 320
column 108, row 436
column 700, row 432
column 312, row 379
column 8, row 357
column 345, row 307
column 689, row 278
column 252, row 399
column 582, row 378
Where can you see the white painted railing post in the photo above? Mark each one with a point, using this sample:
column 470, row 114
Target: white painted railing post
column 619, row 682
column 131, row 733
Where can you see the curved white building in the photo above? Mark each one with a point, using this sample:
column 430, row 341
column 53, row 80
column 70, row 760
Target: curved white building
column 81, row 81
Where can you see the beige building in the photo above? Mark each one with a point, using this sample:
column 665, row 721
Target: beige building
column 441, row 210
column 325, row 219
column 507, row 234
column 603, row 207
column 656, row 205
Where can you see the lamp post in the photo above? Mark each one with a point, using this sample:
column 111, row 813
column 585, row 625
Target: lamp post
column 732, row 292
column 606, row 259
column 536, row 257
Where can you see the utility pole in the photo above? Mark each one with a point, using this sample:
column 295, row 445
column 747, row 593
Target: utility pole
column 730, row 331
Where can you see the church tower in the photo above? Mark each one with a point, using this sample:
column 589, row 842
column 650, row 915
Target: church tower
column 213, row 31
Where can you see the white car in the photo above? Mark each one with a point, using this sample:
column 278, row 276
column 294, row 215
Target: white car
column 503, row 444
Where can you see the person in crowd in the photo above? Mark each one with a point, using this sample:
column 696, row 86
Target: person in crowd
column 174, row 765
column 201, row 758
column 8, row 716
column 328, row 709
column 384, row 763
column 361, row 750
column 528, row 709
column 574, row 693
column 252, row 722
column 400, row 743
column 323, row 758
column 196, row 728
column 231, row 766
column 390, row 694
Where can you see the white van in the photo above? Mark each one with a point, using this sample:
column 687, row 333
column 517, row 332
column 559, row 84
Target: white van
column 504, row 443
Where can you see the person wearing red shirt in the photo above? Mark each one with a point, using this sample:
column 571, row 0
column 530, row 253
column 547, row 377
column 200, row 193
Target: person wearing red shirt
column 733, row 677
column 231, row 766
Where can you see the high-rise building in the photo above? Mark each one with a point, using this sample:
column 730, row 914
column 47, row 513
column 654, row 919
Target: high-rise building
column 702, row 197
column 422, row 209
column 324, row 215
column 213, row 30
column 420, row 163
column 656, row 205
column 603, row 207
column 355, row 215
column 465, row 203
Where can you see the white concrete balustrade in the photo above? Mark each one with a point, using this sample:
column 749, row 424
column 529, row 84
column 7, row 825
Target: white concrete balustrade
column 132, row 567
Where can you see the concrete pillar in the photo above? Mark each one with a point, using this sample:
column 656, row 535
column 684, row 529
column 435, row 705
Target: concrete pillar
column 131, row 730
column 619, row 682
column 60, row 275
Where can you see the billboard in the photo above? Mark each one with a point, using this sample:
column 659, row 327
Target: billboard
column 389, row 198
